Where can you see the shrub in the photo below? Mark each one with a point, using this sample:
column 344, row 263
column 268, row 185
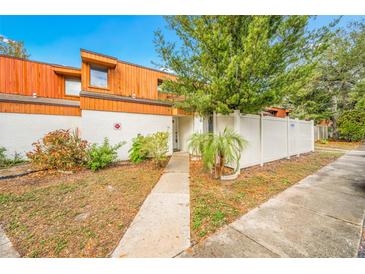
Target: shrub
column 3, row 158
column 138, row 152
column 59, row 149
column 157, row 146
column 103, row 155
column 7, row 162
column 351, row 125
column 217, row 150
column 323, row 141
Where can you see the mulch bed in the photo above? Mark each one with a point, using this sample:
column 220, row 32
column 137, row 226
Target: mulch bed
column 16, row 171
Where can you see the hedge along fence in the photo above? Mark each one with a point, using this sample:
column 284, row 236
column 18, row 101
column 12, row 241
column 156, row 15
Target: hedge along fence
column 269, row 138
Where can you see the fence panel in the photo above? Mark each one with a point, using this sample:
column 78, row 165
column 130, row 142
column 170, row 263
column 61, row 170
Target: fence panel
column 304, row 143
column 250, row 131
column 320, row 132
column 269, row 138
column 274, row 139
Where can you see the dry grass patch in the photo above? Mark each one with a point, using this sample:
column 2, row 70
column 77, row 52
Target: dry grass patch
column 214, row 204
column 339, row 145
column 77, row 215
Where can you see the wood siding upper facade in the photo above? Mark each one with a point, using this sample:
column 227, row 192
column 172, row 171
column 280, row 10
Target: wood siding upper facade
column 31, row 78
column 124, row 79
column 25, row 77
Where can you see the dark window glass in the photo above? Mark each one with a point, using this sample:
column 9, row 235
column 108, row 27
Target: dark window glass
column 99, row 77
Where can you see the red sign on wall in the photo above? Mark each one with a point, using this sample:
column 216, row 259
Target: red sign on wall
column 117, row 126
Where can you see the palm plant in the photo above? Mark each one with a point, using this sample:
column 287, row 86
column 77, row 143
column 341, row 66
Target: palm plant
column 217, row 150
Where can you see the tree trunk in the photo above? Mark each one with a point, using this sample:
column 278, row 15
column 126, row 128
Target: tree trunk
column 216, row 169
column 334, row 117
column 221, row 166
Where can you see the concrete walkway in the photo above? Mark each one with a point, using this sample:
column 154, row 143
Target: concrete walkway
column 6, row 248
column 321, row 216
column 162, row 226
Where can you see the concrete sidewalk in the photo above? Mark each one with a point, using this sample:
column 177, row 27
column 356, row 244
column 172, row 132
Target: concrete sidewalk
column 6, row 247
column 162, row 226
column 321, row 216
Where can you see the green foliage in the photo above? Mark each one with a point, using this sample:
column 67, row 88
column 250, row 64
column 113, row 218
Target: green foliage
column 217, row 150
column 7, row 162
column 338, row 84
column 157, row 146
column 138, row 152
column 13, row 48
column 351, row 125
column 323, row 141
column 59, row 149
column 103, row 155
column 226, row 63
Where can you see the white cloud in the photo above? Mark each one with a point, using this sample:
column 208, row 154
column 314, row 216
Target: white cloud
column 167, row 70
column 4, row 39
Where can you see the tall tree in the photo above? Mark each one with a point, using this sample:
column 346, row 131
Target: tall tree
column 225, row 63
column 339, row 80
column 13, row 48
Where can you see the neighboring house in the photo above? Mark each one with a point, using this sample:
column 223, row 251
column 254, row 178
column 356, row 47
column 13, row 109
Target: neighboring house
column 106, row 97
column 325, row 122
column 277, row 112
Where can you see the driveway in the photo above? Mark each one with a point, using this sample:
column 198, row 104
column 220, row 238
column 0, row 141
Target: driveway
column 321, row 216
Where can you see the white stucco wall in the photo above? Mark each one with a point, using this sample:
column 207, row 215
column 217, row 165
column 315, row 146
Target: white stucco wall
column 186, row 128
column 19, row 131
column 96, row 125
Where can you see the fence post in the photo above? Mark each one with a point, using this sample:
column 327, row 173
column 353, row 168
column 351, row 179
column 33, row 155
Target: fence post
column 237, row 129
column 312, row 134
column 296, row 136
column 236, row 121
column 261, row 139
column 287, row 137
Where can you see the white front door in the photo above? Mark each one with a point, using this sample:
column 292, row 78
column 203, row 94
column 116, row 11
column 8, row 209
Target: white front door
column 175, row 133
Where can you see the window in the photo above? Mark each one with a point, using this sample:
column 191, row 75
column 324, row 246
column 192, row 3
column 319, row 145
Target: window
column 98, row 77
column 72, row 86
column 159, row 83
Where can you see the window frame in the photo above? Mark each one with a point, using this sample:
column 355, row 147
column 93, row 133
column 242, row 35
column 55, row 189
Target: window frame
column 68, row 78
column 159, row 83
column 100, row 68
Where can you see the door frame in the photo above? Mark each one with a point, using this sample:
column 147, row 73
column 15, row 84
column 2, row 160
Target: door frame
column 175, row 134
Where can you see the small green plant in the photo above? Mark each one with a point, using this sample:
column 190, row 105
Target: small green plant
column 7, row 162
column 217, row 150
column 103, row 155
column 157, row 146
column 59, row 149
column 3, row 159
column 323, row 141
column 138, row 152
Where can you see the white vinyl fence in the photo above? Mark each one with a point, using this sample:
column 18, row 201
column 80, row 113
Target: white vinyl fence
column 320, row 132
column 269, row 138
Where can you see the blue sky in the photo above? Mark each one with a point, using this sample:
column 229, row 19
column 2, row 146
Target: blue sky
column 58, row 39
